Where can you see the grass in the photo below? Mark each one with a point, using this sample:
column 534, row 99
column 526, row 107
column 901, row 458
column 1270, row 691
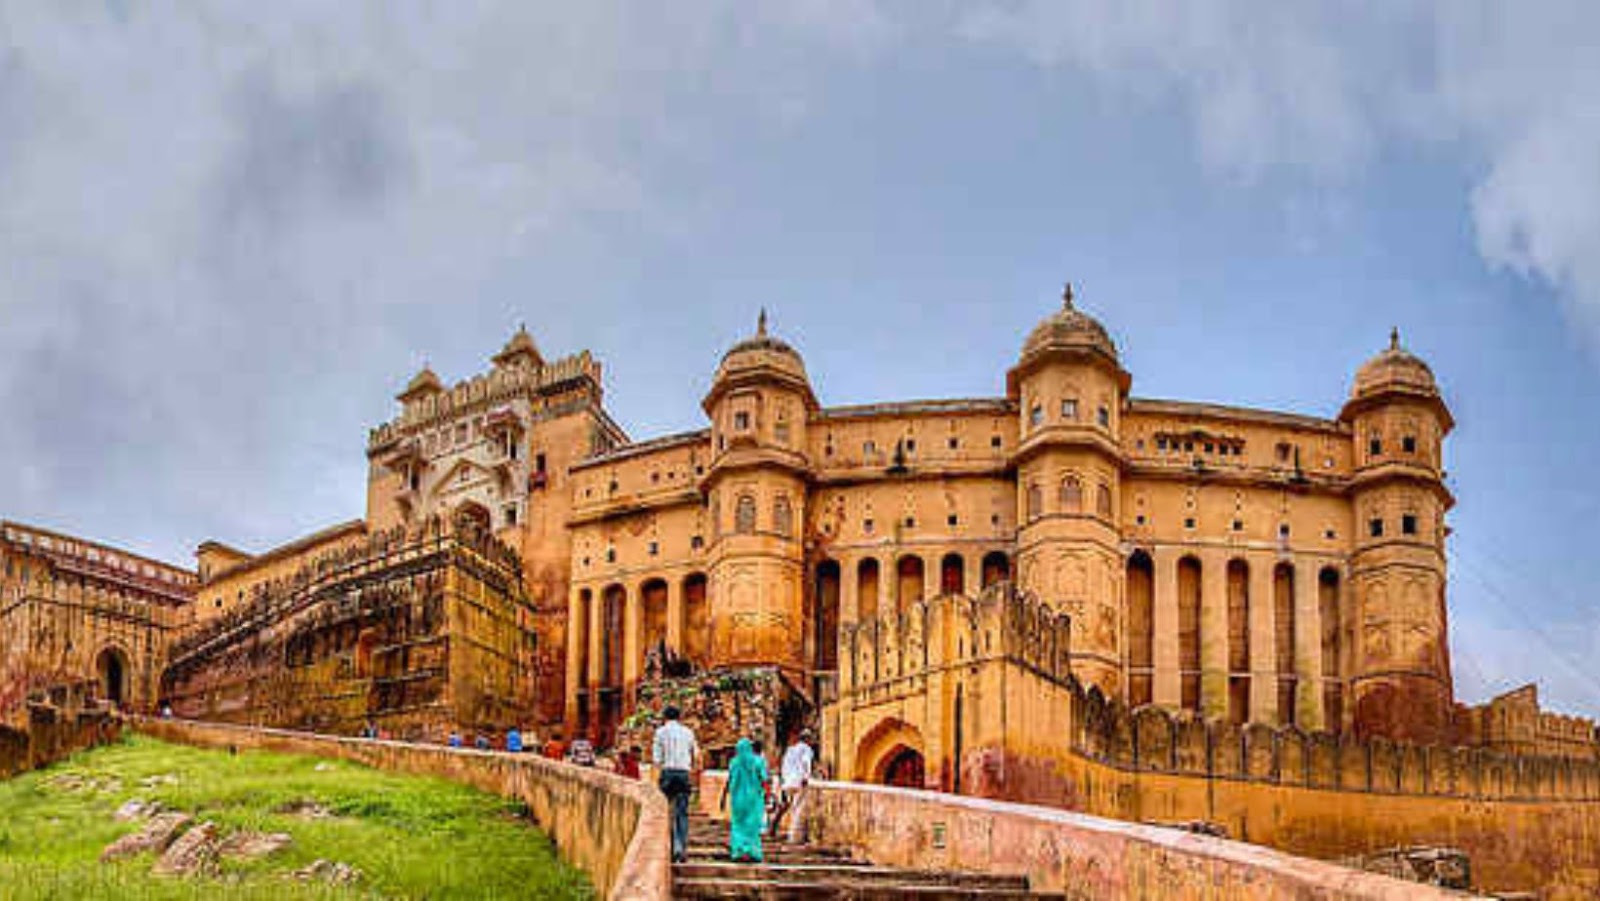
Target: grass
column 410, row 836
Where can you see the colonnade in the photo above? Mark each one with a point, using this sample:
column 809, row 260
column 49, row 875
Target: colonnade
column 1248, row 636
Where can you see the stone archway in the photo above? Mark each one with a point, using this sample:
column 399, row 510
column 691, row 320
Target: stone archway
column 114, row 675
column 892, row 753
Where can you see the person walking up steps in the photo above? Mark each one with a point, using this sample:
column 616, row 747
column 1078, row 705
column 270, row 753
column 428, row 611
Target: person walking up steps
column 794, row 774
column 747, row 788
column 674, row 753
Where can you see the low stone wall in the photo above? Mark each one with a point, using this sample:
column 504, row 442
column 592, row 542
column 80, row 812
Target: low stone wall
column 613, row 828
column 1083, row 856
column 51, row 734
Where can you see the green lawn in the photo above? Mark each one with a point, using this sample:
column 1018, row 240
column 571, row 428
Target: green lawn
column 411, row 837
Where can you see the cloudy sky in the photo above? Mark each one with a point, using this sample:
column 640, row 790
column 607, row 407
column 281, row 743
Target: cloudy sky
column 230, row 232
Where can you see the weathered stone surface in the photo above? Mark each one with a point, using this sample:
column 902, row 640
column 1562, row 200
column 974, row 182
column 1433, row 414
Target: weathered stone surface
column 156, row 835
column 136, row 809
column 304, row 808
column 193, row 852
column 253, row 845
column 331, row 872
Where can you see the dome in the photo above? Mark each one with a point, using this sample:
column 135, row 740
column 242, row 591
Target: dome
column 424, row 382
column 1068, row 329
column 762, row 351
column 1394, row 369
column 520, row 346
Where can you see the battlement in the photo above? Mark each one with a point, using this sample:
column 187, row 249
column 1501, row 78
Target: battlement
column 1153, row 739
column 499, row 384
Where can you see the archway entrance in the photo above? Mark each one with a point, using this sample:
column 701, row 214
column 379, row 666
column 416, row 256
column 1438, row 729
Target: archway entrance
column 905, row 769
column 111, row 666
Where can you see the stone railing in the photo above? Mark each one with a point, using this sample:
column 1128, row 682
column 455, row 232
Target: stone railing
column 614, row 829
column 1082, row 856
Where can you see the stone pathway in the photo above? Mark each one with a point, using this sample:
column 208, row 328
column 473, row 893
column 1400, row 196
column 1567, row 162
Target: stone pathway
column 806, row 871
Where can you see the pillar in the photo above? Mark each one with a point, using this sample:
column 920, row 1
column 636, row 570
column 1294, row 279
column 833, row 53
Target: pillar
column 597, row 606
column 675, row 615
column 1307, row 647
column 849, row 594
column 1263, row 642
column 632, row 654
column 1166, row 689
column 1213, row 635
column 575, row 678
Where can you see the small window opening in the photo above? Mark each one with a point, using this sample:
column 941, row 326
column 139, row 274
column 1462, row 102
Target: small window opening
column 1375, row 528
column 1409, row 444
column 1408, row 524
column 1069, row 408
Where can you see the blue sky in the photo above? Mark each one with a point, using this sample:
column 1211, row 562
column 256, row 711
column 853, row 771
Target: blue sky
column 229, row 233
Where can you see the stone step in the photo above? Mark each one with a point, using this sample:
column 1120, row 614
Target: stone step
column 824, row 858
column 832, row 874
column 771, row 890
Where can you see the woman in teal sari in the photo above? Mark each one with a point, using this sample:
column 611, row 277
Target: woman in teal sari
column 747, row 784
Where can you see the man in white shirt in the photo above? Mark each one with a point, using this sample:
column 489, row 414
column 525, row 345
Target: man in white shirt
column 674, row 752
column 794, row 775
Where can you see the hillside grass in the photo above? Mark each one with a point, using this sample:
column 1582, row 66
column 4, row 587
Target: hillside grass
column 410, row 836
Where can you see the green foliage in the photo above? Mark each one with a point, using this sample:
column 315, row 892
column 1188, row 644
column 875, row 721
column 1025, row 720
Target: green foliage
column 411, row 836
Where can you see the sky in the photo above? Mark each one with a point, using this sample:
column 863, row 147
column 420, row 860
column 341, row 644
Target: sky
column 230, row 232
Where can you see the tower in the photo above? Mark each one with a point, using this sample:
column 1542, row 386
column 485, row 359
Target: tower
column 759, row 403
column 1069, row 388
column 1398, row 659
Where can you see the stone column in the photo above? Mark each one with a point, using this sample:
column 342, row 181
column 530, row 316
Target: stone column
column 675, row 614
column 575, row 678
column 597, row 606
column 1263, row 642
column 1307, row 647
column 849, row 592
column 632, row 654
column 1166, row 689
column 1213, row 634
column 888, row 585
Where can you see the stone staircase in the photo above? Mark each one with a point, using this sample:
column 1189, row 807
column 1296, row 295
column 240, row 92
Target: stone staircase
column 807, row 871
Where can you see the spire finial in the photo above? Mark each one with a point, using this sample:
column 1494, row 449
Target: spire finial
column 761, row 324
column 1394, row 337
column 1066, row 296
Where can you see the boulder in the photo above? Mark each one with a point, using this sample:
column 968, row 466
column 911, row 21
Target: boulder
column 156, row 835
column 136, row 809
column 193, row 852
column 253, row 845
column 327, row 871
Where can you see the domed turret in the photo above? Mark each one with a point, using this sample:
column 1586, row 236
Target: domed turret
column 1395, row 369
column 518, row 349
column 1068, row 329
column 421, row 385
column 762, row 354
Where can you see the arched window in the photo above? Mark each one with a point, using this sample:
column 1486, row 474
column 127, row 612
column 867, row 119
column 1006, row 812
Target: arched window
column 744, row 515
column 1034, row 501
column 1103, row 500
column 1071, row 494
column 782, row 516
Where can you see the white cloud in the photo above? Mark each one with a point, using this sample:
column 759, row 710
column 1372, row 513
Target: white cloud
column 1319, row 89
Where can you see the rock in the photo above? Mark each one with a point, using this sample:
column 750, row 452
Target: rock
column 253, row 845
column 193, row 852
column 136, row 809
column 323, row 767
column 158, row 780
column 305, row 808
column 327, row 871
column 156, row 835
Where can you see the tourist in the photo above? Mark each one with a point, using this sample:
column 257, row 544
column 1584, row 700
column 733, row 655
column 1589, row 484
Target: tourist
column 794, row 774
column 555, row 748
column 369, row 730
column 582, row 752
column 166, row 711
column 455, row 739
column 514, row 740
column 747, row 787
column 481, row 742
column 674, row 753
column 628, row 762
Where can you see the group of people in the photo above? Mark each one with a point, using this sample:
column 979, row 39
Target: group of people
column 756, row 803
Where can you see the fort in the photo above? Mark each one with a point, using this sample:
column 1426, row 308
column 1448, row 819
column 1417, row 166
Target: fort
column 1064, row 595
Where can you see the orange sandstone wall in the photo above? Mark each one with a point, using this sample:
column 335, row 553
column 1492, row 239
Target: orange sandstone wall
column 615, row 829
